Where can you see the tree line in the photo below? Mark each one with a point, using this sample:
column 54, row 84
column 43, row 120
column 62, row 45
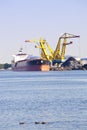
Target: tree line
column 5, row 66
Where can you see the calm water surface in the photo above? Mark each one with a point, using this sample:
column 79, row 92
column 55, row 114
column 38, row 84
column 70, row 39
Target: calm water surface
column 56, row 97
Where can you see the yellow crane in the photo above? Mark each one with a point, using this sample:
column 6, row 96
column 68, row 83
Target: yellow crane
column 46, row 50
column 59, row 52
column 48, row 53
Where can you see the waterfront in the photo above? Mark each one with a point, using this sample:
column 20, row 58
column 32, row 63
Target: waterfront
column 56, row 97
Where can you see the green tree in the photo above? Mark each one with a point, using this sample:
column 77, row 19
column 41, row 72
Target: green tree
column 6, row 66
column 1, row 66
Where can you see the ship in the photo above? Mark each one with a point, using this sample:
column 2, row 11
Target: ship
column 25, row 62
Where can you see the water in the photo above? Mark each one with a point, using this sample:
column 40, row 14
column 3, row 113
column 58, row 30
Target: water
column 57, row 97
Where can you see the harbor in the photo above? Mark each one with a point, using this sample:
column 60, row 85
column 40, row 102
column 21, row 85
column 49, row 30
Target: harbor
column 48, row 59
column 43, row 65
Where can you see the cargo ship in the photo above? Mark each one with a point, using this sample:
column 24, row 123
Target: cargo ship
column 26, row 62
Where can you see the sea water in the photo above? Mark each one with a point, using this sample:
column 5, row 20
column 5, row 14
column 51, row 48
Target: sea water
column 57, row 98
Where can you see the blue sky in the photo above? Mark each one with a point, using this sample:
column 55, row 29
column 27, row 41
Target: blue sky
column 29, row 19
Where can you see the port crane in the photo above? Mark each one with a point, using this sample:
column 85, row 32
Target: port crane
column 59, row 53
column 46, row 52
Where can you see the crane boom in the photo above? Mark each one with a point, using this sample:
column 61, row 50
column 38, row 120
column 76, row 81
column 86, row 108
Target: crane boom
column 59, row 53
column 46, row 50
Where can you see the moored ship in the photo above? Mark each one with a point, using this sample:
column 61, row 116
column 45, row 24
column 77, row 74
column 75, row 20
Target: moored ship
column 25, row 62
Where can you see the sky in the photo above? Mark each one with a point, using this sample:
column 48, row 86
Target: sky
column 31, row 19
